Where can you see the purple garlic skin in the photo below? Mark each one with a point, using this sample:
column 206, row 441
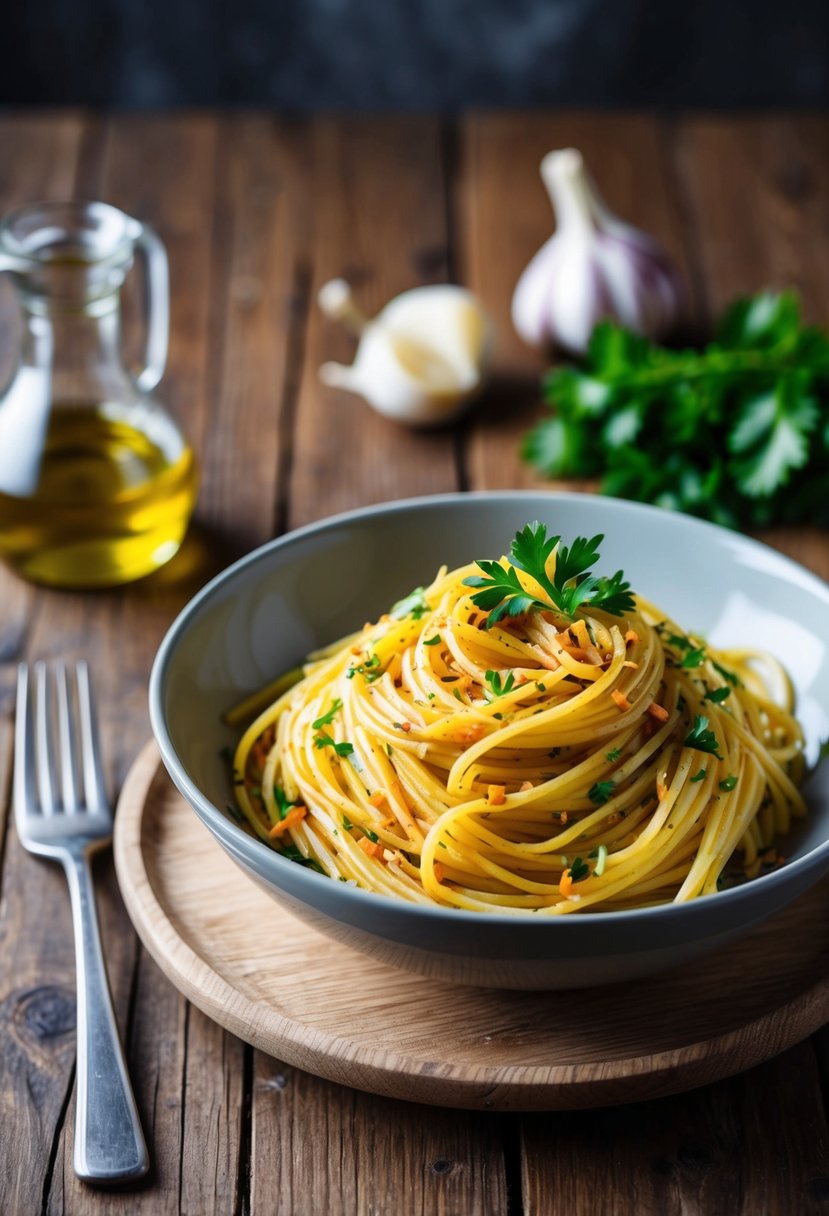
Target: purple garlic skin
column 593, row 268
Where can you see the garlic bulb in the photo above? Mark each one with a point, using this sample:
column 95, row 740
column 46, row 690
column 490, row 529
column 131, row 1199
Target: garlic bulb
column 421, row 360
column 593, row 267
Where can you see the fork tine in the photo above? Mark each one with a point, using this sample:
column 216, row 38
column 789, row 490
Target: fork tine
column 66, row 737
column 93, row 777
column 43, row 751
column 25, row 792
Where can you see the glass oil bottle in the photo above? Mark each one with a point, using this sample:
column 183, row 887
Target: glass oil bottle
column 97, row 483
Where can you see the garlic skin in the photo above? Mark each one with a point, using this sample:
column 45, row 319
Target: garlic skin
column 594, row 267
column 421, row 360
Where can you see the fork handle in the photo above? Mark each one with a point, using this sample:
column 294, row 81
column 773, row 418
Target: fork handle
column 109, row 1142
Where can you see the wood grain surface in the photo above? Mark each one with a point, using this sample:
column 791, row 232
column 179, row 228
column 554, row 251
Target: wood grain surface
column 257, row 212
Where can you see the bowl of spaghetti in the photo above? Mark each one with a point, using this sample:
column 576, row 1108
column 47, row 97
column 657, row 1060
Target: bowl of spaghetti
column 521, row 740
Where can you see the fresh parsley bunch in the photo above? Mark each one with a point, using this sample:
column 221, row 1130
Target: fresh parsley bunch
column 737, row 433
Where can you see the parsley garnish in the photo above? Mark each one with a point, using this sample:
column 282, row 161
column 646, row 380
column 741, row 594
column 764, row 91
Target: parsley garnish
column 283, row 802
column 501, row 593
column 700, row 775
column 328, row 718
column 369, row 669
column 717, row 695
column 293, row 854
column 373, row 837
column 734, row 432
column 601, row 792
column 497, row 686
column 614, row 755
column 413, row 605
column 729, row 783
column 347, row 824
column 693, row 658
column 342, row 749
column 725, row 673
column 432, row 641
column 701, row 738
column 579, row 870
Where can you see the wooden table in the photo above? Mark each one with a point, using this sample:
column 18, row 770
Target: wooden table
column 257, row 213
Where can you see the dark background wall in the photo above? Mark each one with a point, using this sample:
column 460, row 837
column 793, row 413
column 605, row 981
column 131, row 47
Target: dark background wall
column 416, row 53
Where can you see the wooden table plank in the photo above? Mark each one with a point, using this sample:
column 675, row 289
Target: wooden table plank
column 350, row 1152
column 757, row 191
column 258, row 295
column 755, row 1143
column 376, row 192
column 39, row 158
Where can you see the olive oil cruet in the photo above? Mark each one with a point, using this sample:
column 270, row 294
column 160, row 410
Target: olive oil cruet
column 97, row 483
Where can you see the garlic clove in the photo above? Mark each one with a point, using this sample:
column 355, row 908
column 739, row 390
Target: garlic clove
column 421, row 359
column 594, row 266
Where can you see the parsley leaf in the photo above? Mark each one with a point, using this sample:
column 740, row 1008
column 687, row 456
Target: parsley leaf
column 729, row 783
column 342, row 749
column 283, row 802
column 701, row 738
column 717, row 695
column 700, row 776
column 496, row 685
column 579, row 870
column 502, row 594
column 601, row 792
column 328, row 717
column 614, row 755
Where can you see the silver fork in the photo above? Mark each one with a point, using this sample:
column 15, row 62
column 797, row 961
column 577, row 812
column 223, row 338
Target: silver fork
column 61, row 811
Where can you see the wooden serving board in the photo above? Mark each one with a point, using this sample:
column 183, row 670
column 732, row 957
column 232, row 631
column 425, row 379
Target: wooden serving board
column 312, row 1003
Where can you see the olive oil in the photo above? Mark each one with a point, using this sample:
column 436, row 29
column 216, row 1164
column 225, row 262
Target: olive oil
column 110, row 500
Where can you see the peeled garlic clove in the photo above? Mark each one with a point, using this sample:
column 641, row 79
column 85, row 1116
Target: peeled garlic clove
column 593, row 267
column 421, row 360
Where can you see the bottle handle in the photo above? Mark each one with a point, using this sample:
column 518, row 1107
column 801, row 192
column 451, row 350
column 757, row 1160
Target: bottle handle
column 157, row 271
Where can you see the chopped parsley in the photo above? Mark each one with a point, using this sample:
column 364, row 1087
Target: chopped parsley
column 342, row 749
column 701, row 738
column 728, row 784
column 293, row 854
column 601, row 792
column 432, row 641
column 579, row 870
column 497, row 686
column 717, row 695
column 413, row 605
column 700, row 776
column 614, row 755
column 370, row 668
column 693, row 658
column 327, row 718
column 726, row 674
column 283, row 802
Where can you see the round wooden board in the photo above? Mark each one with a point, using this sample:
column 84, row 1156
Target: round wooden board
column 312, row 1003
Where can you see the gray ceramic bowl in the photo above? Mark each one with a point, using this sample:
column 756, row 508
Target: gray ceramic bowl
column 265, row 613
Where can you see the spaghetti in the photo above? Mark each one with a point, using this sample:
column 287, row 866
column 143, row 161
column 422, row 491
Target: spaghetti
column 543, row 762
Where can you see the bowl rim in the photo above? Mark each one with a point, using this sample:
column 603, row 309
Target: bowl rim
column 222, row 827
